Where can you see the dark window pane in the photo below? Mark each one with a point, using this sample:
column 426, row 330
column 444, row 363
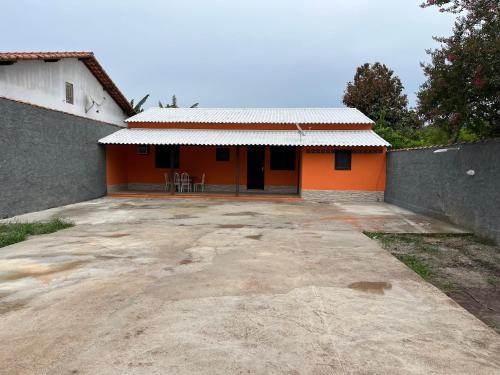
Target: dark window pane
column 343, row 160
column 283, row 158
column 222, row 154
column 162, row 156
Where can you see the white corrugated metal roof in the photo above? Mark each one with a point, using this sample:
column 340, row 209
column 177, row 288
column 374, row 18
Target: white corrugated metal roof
column 222, row 137
column 253, row 115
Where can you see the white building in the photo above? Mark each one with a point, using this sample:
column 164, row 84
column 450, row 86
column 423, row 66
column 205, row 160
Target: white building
column 70, row 82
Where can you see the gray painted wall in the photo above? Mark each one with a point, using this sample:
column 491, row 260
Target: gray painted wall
column 48, row 158
column 437, row 184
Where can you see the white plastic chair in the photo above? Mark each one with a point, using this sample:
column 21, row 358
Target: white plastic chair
column 177, row 181
column 185, row 182
column 200, row 184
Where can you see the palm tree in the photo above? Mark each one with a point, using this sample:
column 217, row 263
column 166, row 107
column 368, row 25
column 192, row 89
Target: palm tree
column 174, row 104
column 138, row 107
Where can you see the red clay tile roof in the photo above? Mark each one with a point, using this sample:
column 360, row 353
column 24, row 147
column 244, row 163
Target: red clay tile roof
column 88, row 59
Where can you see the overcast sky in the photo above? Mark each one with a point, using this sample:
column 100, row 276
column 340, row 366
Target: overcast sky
column 232, row 53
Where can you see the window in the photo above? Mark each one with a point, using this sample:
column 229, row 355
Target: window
column 283, row 158
column 222, row 154
column 143, row 150
column 343, row 160
column 69, row 93
column 162, row 156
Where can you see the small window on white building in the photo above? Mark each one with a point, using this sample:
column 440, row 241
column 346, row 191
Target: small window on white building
column 69, row 93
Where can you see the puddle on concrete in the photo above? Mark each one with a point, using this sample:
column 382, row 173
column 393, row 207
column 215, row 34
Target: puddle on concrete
column 37, row 271
column 116, row 235
column 186, row 261
column 183, row 216
column 234, row 226
column 375, row 287
column 8, row 306
column 255, row 237
column 243, row 213
column 110, row 256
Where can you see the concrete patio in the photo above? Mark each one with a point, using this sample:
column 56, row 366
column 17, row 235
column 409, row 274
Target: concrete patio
column 156, row 286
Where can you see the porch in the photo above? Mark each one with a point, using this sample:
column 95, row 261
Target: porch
column 215, row 171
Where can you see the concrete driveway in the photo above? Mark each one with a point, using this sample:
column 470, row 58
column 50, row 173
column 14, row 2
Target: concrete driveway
column 143, row 286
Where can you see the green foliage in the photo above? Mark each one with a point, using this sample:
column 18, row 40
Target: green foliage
column 459, row 102
column 173, row 104
column 399, row 135
column 461, row 93
column 447, row 286
column 376, row 91
column 493, row 280
column 416, row 265
column 392, row 241
column 11, row 233
column 138, row 107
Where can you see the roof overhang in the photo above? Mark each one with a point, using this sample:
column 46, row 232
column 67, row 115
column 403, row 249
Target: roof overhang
column 340, row 116
column 222, row 137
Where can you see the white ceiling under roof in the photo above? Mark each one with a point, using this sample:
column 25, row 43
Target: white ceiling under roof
column 253, row 116
column 222, row 137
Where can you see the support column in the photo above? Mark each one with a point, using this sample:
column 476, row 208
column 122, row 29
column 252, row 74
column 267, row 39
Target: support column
column 172, row 169
column 237, row 171
column 299, row 172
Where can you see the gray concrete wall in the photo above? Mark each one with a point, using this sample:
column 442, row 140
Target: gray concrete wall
column 437, row 184
column 48, row 158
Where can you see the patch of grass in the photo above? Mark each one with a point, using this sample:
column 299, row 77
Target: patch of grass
column 373, row 235
column 394, row 239
column 447, row 286
column 416, row 265
column 452, row 263
column 11, row 233
column 432, row 249
column 493, row 280
column 386, row 239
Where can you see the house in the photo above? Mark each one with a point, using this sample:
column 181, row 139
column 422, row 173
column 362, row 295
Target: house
column 54, row 107
column 315, row 153
column 70, row 82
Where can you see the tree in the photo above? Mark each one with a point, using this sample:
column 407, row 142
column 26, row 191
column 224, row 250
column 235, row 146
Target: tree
column 138, row 107
column 461, row 91
column 376, row 91
column 174, row 104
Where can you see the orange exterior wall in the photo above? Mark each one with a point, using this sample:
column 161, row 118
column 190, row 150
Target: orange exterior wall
column 317, row 170
column 125, row 166
column 116, row 165
column 367, row 172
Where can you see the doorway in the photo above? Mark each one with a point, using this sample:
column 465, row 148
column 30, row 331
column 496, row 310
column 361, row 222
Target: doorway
column 255, row 167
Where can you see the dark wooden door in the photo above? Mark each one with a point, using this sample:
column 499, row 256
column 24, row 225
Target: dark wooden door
column 255, row 167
